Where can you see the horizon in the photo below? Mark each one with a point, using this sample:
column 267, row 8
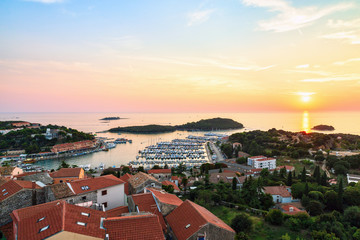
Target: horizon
column 179, row 57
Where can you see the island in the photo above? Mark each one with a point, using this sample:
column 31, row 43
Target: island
column 202, row 125
column 323, row 127
column 110, row 118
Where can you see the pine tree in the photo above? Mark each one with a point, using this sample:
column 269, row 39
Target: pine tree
column 234, row 183
column 324, row 179
column 316, row 174
column 289, row 179
column 306, row 191
column 340, row 194
column 303, row 175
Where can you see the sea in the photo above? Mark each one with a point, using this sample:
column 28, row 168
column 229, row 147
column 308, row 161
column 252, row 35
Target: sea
column 343, row 122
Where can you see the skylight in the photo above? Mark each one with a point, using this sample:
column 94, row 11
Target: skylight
column 40, row 219
column 85, row 188
column 81, row 224
column 4, row 190
column 85, row 214
column 5, row 194
column 44, row 228
column 187, row 226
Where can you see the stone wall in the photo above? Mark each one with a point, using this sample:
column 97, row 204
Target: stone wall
column 21, row 199
column 213, row 233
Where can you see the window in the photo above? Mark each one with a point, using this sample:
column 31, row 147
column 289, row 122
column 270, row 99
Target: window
column 105, row 204
column 104, row 192
column 40, row 219
column 44, row 228
column 81, row 224
column 83, row 198
column 85, row 214
column 85, row 188
column 61, row 181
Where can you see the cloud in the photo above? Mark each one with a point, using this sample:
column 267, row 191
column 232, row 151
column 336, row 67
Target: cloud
column 199, row 17
column 291, row 18
column 303, row 66
column 347, row 77
column 350, row 30
column 347, row 61
column 304, row 93
column 352, row 37
column 355, row 23
column 45, row 1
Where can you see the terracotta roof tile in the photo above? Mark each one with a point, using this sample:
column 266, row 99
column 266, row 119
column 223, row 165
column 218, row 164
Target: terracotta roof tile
column 116, row 212
column 11, row 187
column 92, row 184
column 195, row 217
column 159, row 171
column 125, row 178
column 61, row 190
column 277, row 190
column 139, row 178
column 166, row 198
column 66, row 172
column 166, row 183
column 146, row 203
column 134, row 227
column 286, row 209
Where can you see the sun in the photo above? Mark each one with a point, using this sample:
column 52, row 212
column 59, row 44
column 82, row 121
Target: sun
column 305, row 98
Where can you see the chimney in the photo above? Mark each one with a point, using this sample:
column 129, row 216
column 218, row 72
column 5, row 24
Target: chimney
column 291, row 209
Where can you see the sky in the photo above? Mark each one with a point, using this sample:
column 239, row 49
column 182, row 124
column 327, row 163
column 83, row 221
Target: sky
column 179, row 56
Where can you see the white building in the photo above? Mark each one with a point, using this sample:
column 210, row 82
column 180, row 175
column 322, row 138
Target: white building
column 353, row 178
column 262, row 162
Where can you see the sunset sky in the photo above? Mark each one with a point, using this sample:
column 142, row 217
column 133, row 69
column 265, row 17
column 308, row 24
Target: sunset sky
column 179, row 56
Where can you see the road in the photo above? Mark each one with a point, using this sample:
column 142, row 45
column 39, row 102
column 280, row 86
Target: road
column 217, row 151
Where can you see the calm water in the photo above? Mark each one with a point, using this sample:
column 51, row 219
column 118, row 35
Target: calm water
column 344, row 122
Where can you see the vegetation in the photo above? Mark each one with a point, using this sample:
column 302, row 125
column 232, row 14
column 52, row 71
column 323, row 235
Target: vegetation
column 202, row 125
column 110, row 118
column 323, row 128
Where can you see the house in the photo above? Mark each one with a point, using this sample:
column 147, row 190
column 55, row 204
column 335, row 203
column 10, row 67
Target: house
column 106, row 190
column 139, row 226
column 353, row 178
column 21, row 124
column 237, row 145
column 67, row 175
column 287, row 167
column 58, row 220
column 261, row 162
column 75, row 146
column 280, row 194
column 290, row 209
column 176, row 180
column 140, row 181
column 10, row 172
column 166, row 202
column 51, row 133
column 125, row 178
column 160, row 174
column 15, row 194
column 145, row 202
column 117, row 212
column 168, row 183
column 227, row 177
column 243, row 154
column 39, row 177
column 191, row 221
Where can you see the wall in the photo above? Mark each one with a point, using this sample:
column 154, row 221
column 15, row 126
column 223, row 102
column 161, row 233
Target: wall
column 213, row 233
column 115, row 196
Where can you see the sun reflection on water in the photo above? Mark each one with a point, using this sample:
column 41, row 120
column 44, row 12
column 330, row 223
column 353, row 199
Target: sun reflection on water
column 305, row 122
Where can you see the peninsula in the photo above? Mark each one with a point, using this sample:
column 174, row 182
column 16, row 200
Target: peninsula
column 323, row 127
column 110, row 118
column 202, row 125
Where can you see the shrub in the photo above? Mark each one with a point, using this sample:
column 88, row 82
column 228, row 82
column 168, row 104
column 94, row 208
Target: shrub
column 275, row 217
column 241, row 223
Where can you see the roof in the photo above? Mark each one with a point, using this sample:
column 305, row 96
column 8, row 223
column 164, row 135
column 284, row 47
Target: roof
column 254, row 157
column 146, row 203
column 159, row 171
column 286, row 209
column 175, row 178
column 166, row 198
column 66, row 172
column 11, row 187
column 189, row 217
column 140, row 178
column 166, row 183
column 43, row 177
column 61, row 190
column 265, row 159
column 7, row 170
column 277, row 190
column 58, row 216
column 125, row 178
column 287, row 167
column 92, row 184
column 116, row 212
column 134, row 227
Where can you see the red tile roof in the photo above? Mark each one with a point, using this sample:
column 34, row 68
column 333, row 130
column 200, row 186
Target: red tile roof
column 25, row 174
column 146, row 203
column 287, row 167
column 59, row 216
column 286, row 209
column 92, row 184
column 264, row 159
column 195, row 217
column 116, row 212
column 11, row 187
column 134, row 227
column 166, row 183
column 257, row 157
column 165, row 197
column 277, row 190
column 7, row 230
column 66, row 172
column 159, row 171
column 175, row 178
column 125, row 178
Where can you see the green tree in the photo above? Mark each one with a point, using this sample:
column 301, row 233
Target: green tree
column 332, row 200
column 352, row 216
column 234, row 183
column 323, row 180
column 275, row 217
column 303, row 175
column 125, row 169
column 241, row 223
column 289, row 181
column 141, row 169
column 184, row 182
column 314, row 208
column 317, row 175
column 63, row 165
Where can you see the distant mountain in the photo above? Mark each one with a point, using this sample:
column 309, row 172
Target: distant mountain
column 323, row 127
column 109, row 118
column 202, row 125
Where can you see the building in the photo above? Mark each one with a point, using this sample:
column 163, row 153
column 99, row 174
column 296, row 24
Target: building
column 227, row 177
column 125, row 178
column 166, row 202
column 191, row 221
column 290, row 209
column 51, row 133
column 21, row 124
column 160, row 174
column 58, row 220
column 67, row 175
column 261, row 162
column 10, row 172
column 168, row 183
column 139, row 226
column 353, row 178
column 75, row 146
column 176, row 180
column 15, row 194
column 280, row 194
column 140, row 181
column 38, row 177
column 106, row 190
column 287, row 167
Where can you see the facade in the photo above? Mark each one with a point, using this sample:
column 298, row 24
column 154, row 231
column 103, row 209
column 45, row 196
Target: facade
column 353, row 178
column 140, row 181
column 191, row 221
column 67, row 175
column 75, row 146
column 51, row 133
column 262, row 162
column 280, row 194
column 160, row 174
